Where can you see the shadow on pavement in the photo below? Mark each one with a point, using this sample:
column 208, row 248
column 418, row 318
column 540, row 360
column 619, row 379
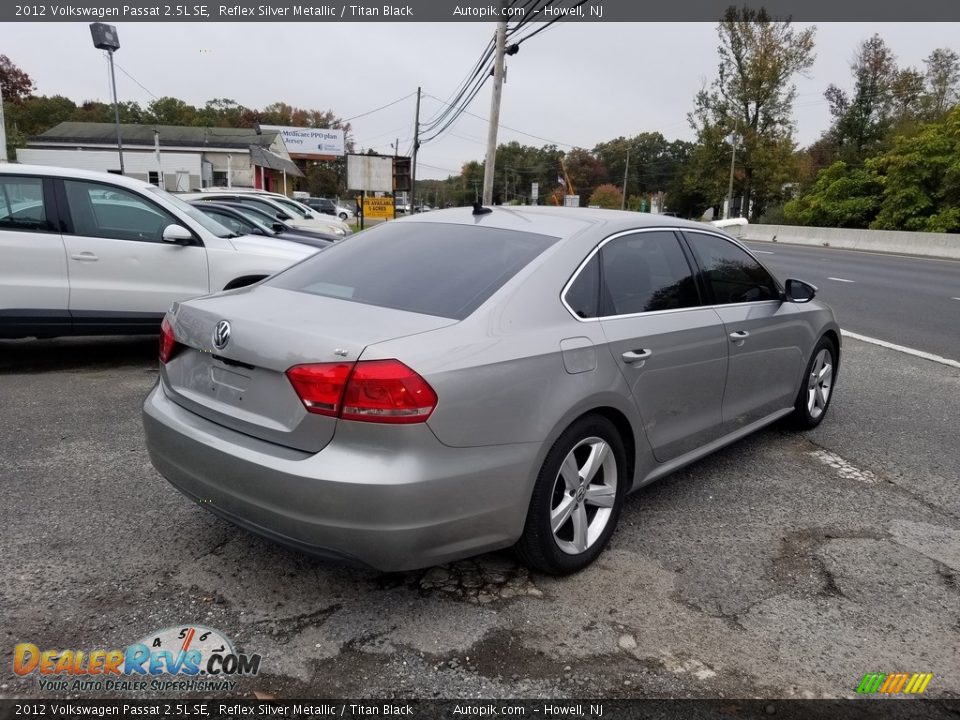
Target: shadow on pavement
column 77, row 353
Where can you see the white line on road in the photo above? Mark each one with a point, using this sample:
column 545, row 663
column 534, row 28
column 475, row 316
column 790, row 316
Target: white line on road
column 841, row 279
column 955, row 298
column 901, row 348
column 764, row 252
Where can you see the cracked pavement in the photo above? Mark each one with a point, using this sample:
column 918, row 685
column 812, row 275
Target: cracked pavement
column 787, row 565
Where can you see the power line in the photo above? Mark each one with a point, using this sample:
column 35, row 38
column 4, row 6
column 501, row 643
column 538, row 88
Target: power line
column 547, row 25
column 382, row 107
column 144, row 88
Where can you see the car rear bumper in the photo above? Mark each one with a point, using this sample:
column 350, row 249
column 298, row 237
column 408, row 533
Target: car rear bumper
column 391, row 497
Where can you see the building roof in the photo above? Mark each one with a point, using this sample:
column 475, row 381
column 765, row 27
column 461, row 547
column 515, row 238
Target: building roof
column 262, row 156
column 87, row 133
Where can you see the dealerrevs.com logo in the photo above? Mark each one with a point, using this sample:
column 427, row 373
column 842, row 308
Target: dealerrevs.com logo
column 190, row 658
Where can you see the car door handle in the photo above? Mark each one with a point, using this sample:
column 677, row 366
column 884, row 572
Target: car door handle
column 739, row 336
column 632, row 356
column 85, row 257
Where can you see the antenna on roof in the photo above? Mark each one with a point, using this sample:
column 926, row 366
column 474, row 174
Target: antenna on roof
column 479, row 209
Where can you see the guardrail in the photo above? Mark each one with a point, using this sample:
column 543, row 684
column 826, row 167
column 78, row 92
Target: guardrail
column 940, row 245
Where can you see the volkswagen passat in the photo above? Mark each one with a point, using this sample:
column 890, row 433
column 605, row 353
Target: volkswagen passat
column 463, row 381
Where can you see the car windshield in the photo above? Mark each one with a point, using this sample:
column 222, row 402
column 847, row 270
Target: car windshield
column 290, row 205
column 258, row 213
column 430, row 268
column 258, row 219
column 201, row 218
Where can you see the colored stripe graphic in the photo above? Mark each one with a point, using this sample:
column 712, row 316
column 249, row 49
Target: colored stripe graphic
column 871, row 683
column 909, row 683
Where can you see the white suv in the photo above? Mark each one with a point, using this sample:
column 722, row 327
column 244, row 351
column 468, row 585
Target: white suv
column 86, row 253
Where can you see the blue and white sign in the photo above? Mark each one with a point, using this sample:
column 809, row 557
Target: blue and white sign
column 307, row 141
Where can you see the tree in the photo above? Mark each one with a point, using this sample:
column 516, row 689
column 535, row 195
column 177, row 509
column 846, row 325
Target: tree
column 862, row 119
column 14, row 82
column 606, row 196
column 943, row 81
column 921, row 179
column 753, row 96
column 841, row 196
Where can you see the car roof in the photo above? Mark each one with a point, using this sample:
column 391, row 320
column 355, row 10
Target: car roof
column 555, row 221
column 73, row 173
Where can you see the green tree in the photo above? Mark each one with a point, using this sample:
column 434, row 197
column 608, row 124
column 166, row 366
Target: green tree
column 861, row 119
column 752, row 96
column 921, row 180
column 943, row 81
column 841, row 196
column 606, row 196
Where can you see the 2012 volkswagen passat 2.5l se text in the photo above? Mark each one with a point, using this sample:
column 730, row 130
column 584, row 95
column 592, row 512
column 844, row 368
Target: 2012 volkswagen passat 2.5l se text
column 468, row 380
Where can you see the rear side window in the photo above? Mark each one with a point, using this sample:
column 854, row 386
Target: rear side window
column 104, row 211
column 583, row 297
column 429, row 268
column 732, row 275
column 21, row 204
column 646, row 272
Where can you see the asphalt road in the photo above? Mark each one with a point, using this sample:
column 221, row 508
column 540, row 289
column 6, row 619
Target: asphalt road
column 788, row 565
column 907, row 301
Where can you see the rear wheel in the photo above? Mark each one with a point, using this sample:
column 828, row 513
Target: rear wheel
column 816, row 391
column 577, row 498
column 343, row 216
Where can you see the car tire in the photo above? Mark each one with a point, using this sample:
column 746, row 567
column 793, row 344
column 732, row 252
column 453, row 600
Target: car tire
column 582, row 484
column 816, row 390
column 344, row 216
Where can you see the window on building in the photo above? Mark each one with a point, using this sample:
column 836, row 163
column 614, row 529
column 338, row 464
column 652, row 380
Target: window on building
column 219, row 178
column 153, row 177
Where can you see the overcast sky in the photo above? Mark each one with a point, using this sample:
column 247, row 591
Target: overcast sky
column 574, row 84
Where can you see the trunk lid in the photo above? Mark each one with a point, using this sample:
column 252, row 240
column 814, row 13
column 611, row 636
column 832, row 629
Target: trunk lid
column 243, row 386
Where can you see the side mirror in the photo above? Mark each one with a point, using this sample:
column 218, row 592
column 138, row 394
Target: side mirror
column 798, row 291
column 283, row 216
column 279, row 227
column 177, row 235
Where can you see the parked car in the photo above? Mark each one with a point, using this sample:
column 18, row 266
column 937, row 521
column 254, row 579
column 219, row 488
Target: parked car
column 282, row 211
column 329, row 207
column 462, row 381
column 85, row 253
column 243, row 220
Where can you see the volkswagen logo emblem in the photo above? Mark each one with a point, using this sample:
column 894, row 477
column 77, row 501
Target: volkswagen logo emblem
column 221, row 335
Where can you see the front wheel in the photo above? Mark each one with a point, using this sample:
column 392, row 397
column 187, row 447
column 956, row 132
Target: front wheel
column 343, row 216
column 577, row 498
column 816, row 391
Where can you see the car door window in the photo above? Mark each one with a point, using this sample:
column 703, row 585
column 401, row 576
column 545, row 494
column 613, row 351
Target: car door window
column 21, row 204
column 110, row 212
column 731, row 274
column 646, row 272
column 230, row 222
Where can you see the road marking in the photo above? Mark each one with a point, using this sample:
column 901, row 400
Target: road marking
column 955, row 298
column 764, row 252
column 901, row 348
column 861, row 252
column 843, row 468
column 841, row 279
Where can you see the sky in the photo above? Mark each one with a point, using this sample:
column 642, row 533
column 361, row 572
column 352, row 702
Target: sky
column 575, row 84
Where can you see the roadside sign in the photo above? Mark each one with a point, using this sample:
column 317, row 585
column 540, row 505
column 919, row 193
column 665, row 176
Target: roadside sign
column 534, row 191
column 378, row 207
column 373, row 173
column 571, row 201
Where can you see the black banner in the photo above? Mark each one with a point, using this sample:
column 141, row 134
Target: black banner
column 472, row 11
column 476, row 709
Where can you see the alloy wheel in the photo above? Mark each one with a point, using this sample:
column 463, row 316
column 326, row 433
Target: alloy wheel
column 819, row 384
column 583, row 495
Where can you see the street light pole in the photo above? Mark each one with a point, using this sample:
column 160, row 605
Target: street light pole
column 116, row 110
column 3, row 132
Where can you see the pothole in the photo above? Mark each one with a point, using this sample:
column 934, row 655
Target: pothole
column 481, row 581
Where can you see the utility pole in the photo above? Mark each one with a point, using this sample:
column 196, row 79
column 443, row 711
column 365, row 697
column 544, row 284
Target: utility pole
column 733, row 159
column 413, row 160
column 495, row 108
column 3, row 132
column 626, row 167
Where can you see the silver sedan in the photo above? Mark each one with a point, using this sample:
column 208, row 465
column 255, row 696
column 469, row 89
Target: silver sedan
column 467, row 380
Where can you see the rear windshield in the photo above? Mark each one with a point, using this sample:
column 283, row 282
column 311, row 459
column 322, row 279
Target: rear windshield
column 429, row 268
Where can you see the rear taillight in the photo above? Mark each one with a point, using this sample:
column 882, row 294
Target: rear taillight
column 168, row 344
column 382, row 391
column 320, row 386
